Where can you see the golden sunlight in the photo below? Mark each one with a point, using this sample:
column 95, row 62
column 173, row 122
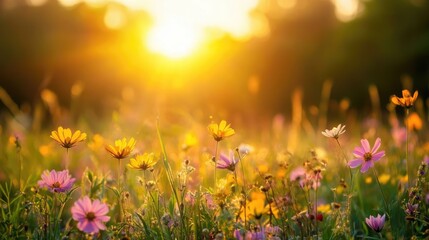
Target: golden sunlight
column 173, row 40
column 180, row 27
column 346, row 10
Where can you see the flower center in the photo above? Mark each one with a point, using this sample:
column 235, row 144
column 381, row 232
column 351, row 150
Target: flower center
column 367, row 156
column 56, row 185
column 90, row 216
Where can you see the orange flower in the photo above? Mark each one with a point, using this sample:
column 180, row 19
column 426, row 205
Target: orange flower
column 65, row 137
column 414, row 122
column 122, row 148
column 406, row 100
column 221, row 131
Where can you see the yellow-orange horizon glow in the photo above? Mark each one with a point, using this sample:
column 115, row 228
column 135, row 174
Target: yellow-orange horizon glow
column 179, row 28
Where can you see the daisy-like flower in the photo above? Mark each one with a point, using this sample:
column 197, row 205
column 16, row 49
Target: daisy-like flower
column 366, row 156
column 220, row 131
column 225, row 162
column 143, row 162
column 56, row 181
column 91, row 216
column 257, row 207
column 406, row 100
column 335, row 132
column 376, row 223
column 122, row 148
column 65, row 137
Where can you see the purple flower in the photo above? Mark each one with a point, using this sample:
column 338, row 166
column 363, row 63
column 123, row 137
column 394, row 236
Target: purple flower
column 376, row 223
column 56, row 181
column 249, row 235
column 91, row 216
column 366, row 156
column 411, row 209
column 227, row 163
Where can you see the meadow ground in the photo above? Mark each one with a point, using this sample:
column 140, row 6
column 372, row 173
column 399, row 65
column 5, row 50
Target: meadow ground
column 184, row 175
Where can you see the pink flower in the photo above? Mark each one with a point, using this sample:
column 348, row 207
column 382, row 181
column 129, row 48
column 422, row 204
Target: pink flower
column 227, row 163
column 366, row 156
column 56, row 181
column 91, row 216
column 426, row 160
column 376, row 223
column 297, row 174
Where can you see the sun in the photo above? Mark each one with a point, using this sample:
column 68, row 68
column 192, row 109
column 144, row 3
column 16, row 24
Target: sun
column 173, row 40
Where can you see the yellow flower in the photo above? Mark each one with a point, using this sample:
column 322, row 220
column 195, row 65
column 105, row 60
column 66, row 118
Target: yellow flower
column 324, row 208
column 384, row 178
column 368, row 180
column 414, row 122
column 143, row 162
column 122, row 148
column 406, row 100
column 189, row 141
column 65, row 137
column 221, row 131
column 256, row 208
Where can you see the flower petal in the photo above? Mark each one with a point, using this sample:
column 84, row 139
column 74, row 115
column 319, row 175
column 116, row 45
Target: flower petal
column 366, row 166
column 365, row 145
column 355, row 163
column 378, row 156
column 376, row 146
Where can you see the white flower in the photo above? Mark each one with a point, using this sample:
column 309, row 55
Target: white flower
column 245, row 149
column 335, row 132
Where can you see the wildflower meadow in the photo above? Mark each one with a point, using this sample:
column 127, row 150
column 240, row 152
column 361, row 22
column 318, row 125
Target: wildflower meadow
column 181, row 176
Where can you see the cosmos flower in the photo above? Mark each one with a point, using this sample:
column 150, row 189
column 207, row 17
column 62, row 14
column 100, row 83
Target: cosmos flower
column 143, row 162
column 56, row 181
column 406, row 100
column 65, row 137
column 297, row 174
column 335, row 132
column 122, row 148
column 225, row 162
column 376, row 223
column 366, row 156
column 91, row 216
column 220, row 131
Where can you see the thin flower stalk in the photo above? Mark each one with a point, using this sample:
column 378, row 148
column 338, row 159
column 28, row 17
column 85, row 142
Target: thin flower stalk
column 120, row 150
column 407, row 162
column 381, row 190
column 406, row 101
column 171, row 181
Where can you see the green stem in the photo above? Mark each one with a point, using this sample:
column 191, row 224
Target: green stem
column 244, row 189
column 315, row 209
column 120, row 192
column 407, row 111
column 215, row 163
column 381, row 190
column 171, row 181
column 351, row 185
column 55, row 216
column 345, row 159
column 66, row 164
